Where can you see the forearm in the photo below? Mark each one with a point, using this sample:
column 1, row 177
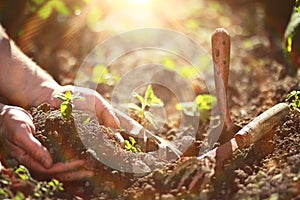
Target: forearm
column 22, row 82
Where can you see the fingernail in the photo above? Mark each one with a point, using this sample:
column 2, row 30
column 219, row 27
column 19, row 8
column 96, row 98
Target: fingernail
column 46, row 163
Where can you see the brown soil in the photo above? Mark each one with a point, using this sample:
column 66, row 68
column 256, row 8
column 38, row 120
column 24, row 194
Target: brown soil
column 267, row 169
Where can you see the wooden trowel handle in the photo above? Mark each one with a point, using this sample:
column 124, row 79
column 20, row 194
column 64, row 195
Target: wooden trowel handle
column 262, row 125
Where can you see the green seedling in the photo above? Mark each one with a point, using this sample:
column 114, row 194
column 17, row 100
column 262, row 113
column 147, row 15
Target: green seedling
column 132, row 146
column 292, row 26
column 66, row 107
column 199, row 107
column 102, row 75
column 294, row 98
column 23, row 173
column 40, row 189
column 149, row 100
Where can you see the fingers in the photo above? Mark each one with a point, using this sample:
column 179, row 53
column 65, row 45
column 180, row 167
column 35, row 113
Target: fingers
column 69, row 171
column 74, row 175
column 35, row 151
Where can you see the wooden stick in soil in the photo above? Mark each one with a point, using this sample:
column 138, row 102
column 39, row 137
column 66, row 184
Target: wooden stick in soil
column 220, row 41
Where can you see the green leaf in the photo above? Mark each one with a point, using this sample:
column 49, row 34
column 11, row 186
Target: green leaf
column 192, row 24
column 297, row 103
column 200, row 104
column 150, row 99
column 23, row 173
column 140, row 98
column 179, row 106
column 169, row 63
column 99, row 71
column 290, row 95
column 127, row 145
column 66, row 109
column 3, row 193
column 132, row 140
column 188, row 72
column 289, row 43
column 45, row 11
column 93, row 17
column 149, row 95
column 133, row 149
column 291, row 29
column 19, row 196
column 68, row 95
column 205, row 102
column 60, row 7
column 38, row 2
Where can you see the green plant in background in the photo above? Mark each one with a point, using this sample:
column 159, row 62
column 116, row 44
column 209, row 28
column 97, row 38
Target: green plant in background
column 103, row 76
column 66, row 107
column 149, row 100
column 132, row 146
column 292, row 26
column 294, row 98
column 186, row 71
column 199, row 107
column 47, row 7
column 34, row 189
column 44, row 8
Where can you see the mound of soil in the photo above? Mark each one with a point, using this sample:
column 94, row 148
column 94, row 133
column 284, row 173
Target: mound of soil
column 81, row 138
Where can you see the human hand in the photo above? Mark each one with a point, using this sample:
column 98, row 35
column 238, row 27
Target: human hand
column 93, row 104
column 16, row 133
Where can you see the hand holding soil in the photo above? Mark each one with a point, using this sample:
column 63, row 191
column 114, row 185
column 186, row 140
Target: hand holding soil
column 17, row 132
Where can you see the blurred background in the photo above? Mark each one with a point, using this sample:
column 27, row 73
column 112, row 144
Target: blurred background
column 58, row 34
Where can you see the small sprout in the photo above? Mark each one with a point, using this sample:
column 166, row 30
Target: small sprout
column 199, row 107
column 23, row 173
column 149, row 100
column 3, row 193
column 294, row 98
column 55, row 185
column 132, row 146
column 21, row 176
column 66, row 107
column 103, row 76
